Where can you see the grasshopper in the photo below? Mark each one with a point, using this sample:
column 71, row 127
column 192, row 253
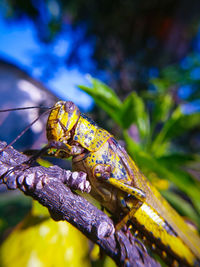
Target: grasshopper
column 119, row 186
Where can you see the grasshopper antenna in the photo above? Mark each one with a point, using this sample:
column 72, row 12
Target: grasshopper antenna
column 13, row 109
column 28, row 127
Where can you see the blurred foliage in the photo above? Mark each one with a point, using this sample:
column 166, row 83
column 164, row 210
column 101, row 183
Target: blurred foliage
column 149, row 125
column 131, row 45
column 151, row 47
column 13, row 207
column 33, row 239
column 152, row 147
column 40, row 241
column 123, row 36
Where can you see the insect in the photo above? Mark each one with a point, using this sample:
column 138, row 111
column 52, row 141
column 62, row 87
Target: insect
column 119, row 186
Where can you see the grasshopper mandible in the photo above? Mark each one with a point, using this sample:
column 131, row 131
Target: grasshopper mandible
column 119, row 186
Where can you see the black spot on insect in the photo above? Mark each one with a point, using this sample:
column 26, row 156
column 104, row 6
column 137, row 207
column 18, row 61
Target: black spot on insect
column 122, row 169
column 123, row 202
column 86, row 144
column 98, row 144
column 105, row 157
column 88, row 119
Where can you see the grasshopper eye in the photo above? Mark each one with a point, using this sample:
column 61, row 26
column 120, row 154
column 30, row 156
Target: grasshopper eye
column 69, row 106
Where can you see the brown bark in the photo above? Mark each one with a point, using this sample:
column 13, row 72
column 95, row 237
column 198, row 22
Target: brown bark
column 48, row 186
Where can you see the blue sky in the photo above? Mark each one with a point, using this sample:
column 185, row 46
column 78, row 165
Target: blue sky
column 19, row 45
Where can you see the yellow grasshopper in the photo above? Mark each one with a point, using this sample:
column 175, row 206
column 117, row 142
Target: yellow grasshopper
column 119, row 186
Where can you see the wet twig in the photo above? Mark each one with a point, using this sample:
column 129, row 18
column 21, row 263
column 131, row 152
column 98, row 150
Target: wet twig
column 48, row 186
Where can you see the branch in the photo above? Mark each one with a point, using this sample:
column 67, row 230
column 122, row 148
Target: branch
column 48, row 186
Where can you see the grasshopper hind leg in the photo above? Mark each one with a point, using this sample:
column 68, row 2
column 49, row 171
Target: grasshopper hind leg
column 131, row 205
column 103, row 173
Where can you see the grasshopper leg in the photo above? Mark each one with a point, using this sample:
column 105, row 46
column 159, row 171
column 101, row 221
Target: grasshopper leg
column 128, row 216
column 71, row 150
column 131, row 191
column 103, row 171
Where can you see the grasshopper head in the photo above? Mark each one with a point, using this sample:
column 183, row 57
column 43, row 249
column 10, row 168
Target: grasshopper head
column 63, row 117
column 72, row 113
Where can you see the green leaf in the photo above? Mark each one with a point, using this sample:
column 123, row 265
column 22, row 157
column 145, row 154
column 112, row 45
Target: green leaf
column 184, row 123
column 105, row 91
column 180, row 178
column 156, row 146
column 133, row 111
column 132, row 146
column 13, row 208
column 182, row 206
column 178, row 124
column 163, row 104
column 178, row 159
column 105, row 98
column 179, row 165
